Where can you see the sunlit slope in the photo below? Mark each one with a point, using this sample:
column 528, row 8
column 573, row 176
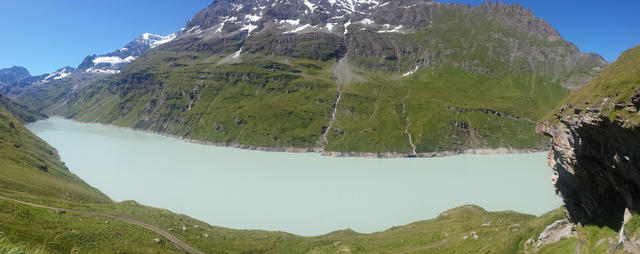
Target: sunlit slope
column 467, row 229
column 20, row 112
column 30, row 167
column 614, row 92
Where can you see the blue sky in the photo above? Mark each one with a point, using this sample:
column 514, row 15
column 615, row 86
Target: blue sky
column 44, row 35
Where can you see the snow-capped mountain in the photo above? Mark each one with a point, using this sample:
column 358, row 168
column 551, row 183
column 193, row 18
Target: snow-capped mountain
column 113, row 62
column 59, row 74
column 302, row 16
column 14, row 80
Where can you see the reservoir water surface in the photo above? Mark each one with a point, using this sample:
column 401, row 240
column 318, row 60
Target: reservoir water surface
column 301, row 193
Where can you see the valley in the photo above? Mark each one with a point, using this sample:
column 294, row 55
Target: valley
column 325, row 126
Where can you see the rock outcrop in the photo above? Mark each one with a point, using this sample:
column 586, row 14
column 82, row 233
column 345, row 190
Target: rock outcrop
column 596, row 163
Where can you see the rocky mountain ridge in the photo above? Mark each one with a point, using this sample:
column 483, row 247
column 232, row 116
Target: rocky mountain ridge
column 349, row 26
column 115, row 61
column 13, row 74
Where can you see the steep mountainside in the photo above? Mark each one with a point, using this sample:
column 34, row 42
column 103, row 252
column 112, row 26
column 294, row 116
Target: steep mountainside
column 385, row 77
column 30, row 167
column 20, row 112
column 596, row 144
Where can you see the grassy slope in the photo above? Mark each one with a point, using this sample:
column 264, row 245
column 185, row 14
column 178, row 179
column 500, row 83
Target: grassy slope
column 20, row 112
column 29, row 166
column 507, row 233
column 618, row 82
column 31, row 170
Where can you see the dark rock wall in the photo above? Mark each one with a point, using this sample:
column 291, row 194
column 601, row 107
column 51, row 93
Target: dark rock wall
column 596, row 164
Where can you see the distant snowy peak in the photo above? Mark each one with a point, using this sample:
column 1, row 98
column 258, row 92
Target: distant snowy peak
column 59, row 74
column 140, row 45
column 153, row 40
column 115, row 61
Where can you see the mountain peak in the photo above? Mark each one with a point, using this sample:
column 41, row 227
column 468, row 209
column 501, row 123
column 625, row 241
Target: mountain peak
column 229, row 18
column 13, row 74
column 113, row 62
column 153, row 40
column 60, row 73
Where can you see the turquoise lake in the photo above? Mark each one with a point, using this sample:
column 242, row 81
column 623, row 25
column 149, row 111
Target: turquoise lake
column 301, row 193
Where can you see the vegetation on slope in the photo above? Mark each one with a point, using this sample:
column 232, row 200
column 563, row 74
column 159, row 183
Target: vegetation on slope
column 29, row 166
column 7, row 247
column 613, row 92
column 20, row 112
column 454, row 231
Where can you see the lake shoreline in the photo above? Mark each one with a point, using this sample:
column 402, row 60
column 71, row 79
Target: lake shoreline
column 229, row 187
column 385, row 155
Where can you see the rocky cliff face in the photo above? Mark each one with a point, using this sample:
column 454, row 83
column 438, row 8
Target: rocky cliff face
column 596, row 146
column 596, row 164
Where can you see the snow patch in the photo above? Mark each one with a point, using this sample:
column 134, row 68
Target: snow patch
column 309, row 5
column 193, row 29
column 163, row 40
column 232, row 19
column 220, row 26
column 350, row 6
column 62, row 75
column 249, row 28
column 113, row 60
column 396, row 29
column 92, row 70
column 293, row 22
column 411, row 72
column 366, row 21
column 330, row 26
column 298, row 29
column 346, row 25
column 252, row 18
column 237, row 7
column 237, row 54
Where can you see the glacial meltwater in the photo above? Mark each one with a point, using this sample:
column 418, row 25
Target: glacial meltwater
column 301, row 193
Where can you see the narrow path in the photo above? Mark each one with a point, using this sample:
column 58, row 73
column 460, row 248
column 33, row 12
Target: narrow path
column 406, row 129
column 179, row 243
